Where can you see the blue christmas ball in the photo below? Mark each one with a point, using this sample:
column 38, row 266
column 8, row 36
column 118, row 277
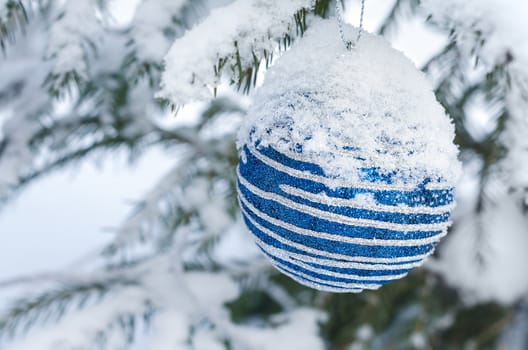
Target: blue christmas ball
column 347, row 164
column 317, row 234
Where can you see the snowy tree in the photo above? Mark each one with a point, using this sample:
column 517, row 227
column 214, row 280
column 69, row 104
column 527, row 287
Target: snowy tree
column 181, row 271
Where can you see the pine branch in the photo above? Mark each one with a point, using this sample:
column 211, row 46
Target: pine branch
column 243, row 64
column 402, row 9
column 165, row 209
column 156, row 25
column 193, row 72
column 177, row 203
column 456, row 91
column 322, row 7
column 13, row 18
column 73, row 42
column 52, row 305
column 506, row 75
column 64, row 140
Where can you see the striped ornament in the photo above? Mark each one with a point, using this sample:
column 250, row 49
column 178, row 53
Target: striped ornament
column 312, row 229
column 347, row 163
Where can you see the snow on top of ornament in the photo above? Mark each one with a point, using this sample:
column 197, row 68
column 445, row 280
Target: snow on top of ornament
column 368, row 108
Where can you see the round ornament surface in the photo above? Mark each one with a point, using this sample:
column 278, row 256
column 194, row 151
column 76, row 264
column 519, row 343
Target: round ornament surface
column 347, row 163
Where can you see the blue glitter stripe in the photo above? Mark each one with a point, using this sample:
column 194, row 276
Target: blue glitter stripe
column 311, row 281
column 403, row 218
column 326, row 277
column 348, row 249
column 293, row 163
column 337, row 269
column 318, row 285
column 254, row 170
column 306, row 254
column 369, row 174
column 278, row 259
column 359, row 272
column 338, row 218
column 279, row 245
column 306, row 221
column 302, row 253
column 374, row 215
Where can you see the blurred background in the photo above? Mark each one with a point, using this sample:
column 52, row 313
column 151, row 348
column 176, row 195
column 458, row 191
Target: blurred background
column 119, row 227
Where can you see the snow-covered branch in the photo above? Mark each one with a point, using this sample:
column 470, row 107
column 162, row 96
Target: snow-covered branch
column 73, row 39
column 157, row 24
column 160, row 304
column 232, row 40
column 13, row 17
column 497, row 40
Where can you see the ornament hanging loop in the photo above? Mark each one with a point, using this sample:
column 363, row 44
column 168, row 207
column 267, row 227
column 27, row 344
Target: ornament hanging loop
column 339, row 14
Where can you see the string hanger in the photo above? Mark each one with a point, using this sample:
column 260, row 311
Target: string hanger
column 339, row 13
